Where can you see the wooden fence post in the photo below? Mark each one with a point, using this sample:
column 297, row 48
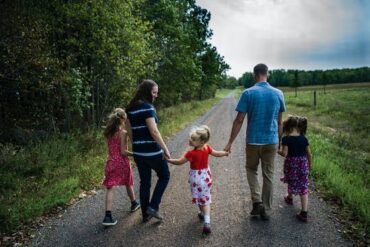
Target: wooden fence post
column 314, row 98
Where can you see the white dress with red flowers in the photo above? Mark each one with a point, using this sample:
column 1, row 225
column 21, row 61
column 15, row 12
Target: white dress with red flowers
column 201, row 185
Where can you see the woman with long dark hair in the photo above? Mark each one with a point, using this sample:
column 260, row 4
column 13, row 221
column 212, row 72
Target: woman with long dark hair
column 149, row 150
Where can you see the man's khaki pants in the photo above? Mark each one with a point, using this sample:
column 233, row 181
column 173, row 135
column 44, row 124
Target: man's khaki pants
column 265, row 153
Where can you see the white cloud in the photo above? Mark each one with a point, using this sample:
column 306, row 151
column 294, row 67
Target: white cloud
column 277, row 32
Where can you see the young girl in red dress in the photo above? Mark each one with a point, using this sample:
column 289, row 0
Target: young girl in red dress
column 117, row 169
column 200, row 176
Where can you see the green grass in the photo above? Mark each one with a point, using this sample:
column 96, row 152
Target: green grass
column 338, row 132
column 177, row 117
column 41, row 176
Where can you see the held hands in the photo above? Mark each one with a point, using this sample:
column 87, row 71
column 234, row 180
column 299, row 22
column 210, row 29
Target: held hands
column 280, row 152
column 166, row 155
column 227, row 148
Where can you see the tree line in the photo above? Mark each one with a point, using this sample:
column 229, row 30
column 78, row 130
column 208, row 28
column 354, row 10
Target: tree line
column 65, row 64
column 297, row 78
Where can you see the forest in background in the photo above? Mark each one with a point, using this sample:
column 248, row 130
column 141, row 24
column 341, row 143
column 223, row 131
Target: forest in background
column 65, row 64
column 297, row 78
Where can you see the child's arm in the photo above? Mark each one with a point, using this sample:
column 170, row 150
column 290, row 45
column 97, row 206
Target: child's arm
column 128, row 128
column 284, row 151
column 219, row 153
column 124, row 143
column 309, row 156
column 178, row 162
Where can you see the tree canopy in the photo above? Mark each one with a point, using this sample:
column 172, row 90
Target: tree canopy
column 297, row 78
column 65, row 64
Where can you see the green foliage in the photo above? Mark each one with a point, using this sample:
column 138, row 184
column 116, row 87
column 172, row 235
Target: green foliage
column 43, row 175
column 229, row 82
column 350, row 186
column 337, row 104
column 66, row 64
column 297, row 78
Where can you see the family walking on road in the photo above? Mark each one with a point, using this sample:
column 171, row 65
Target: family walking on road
column 262, row 104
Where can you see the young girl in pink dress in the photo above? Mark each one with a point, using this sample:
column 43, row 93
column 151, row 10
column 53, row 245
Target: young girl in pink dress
column 117, row 169
column 200, row 177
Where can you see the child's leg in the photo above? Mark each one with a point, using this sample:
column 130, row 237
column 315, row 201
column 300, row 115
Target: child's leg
column 290, row 195
column 206, row 210
column 304, row 202
column 130, row 192
column 109, row 199
column 108, row 220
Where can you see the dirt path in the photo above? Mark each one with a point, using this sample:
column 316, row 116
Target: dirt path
column 231, row 224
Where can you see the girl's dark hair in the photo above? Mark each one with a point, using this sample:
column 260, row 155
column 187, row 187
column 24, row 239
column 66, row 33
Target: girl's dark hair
column 302, row 125
column 114, row 121
column 143, row 93
column 289, row 124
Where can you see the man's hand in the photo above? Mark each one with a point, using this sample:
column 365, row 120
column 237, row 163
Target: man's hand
column 227, row 148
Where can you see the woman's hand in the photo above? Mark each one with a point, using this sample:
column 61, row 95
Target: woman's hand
column 167, row 155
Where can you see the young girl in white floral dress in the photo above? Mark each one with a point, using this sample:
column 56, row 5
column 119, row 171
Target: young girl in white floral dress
column 200, row 176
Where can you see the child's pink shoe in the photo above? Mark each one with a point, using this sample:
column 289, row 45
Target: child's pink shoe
column 288, row 200
column 206, row 229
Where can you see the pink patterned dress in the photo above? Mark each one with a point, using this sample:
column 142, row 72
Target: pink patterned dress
column 117, row 168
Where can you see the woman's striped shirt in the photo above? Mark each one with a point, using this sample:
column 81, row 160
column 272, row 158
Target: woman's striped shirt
column 143, row 143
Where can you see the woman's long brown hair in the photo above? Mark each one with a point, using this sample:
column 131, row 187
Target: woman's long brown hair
column 143, row 93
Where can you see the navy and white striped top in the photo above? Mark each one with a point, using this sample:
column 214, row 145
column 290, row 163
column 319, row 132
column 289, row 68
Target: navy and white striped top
column 143, row 143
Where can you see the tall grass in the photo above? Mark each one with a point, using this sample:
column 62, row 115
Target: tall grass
column 41, row 176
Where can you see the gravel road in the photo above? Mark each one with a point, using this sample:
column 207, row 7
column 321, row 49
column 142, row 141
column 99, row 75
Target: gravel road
column 80, row 225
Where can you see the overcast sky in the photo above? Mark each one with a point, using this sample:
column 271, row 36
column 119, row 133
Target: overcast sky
column 290, row 34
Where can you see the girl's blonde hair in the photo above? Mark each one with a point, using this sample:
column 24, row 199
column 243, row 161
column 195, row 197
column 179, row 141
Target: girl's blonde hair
column 201, row 133
column 114, row 121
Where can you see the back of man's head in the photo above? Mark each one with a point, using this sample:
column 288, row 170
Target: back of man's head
column 260, row 70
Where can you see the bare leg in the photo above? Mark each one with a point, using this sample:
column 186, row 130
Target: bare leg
column 109, row 199
column 206, row 210
column 289, row 195
column 304, row 202
column 130, row 192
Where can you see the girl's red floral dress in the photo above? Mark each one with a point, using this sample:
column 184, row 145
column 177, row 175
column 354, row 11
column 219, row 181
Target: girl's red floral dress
column 117, row 169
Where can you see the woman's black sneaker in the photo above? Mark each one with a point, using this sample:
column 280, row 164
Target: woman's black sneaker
column 155, row 213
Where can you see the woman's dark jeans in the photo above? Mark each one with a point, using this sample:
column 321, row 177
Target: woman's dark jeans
column 145, row 166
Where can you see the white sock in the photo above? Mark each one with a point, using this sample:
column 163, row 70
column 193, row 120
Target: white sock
column 207, row 219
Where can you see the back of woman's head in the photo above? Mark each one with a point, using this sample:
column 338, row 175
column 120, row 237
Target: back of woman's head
column 114, row 121
column 201, row 133
column 302, row 125
column 289, row 124
column 143, row 93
